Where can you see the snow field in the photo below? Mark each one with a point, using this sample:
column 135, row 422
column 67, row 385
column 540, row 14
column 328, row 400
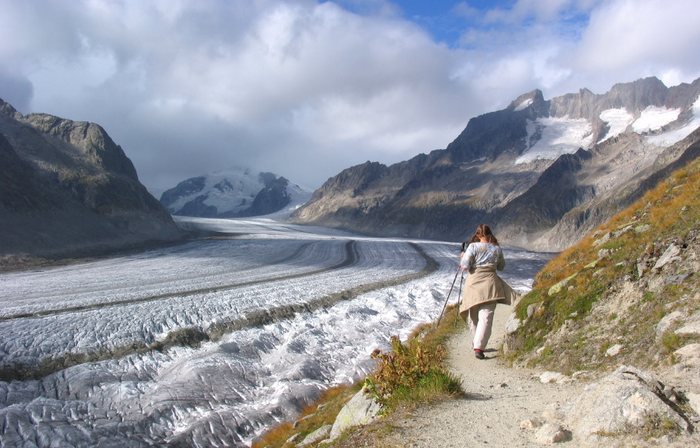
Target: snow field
column 550, row 137
column 618, row 120
column 674, row 136
column 653, row 118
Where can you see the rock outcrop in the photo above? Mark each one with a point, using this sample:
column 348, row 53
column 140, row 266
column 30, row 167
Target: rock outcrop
column 626, row 401
column 542, row 172
column 68, row 189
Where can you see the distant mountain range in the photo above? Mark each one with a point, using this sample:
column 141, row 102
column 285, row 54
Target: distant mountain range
column 238, row 192
column 542, row 172
column 67, row 189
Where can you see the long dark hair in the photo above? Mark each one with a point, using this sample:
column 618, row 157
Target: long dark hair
column 484, row 231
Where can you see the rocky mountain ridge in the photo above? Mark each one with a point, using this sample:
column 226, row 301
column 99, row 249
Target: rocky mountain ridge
column 68, row 189
column 580, row 157
column 237, row 192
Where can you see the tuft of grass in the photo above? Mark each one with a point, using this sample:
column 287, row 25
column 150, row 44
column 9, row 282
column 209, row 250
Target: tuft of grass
column 411, row 372
column 653, row 427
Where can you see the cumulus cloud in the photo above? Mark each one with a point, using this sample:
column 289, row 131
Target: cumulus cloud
column 630, row 33
column 307, row 88
column 187, row 86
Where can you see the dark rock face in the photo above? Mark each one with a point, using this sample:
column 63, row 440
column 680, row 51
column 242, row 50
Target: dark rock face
column 68, row 189
column 482, row 175
column 186, row 187
column 270, row 199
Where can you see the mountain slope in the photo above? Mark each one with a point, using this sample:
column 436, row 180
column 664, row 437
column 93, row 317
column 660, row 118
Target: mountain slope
column 639, row 266
column 625, row 135
column 68, row 189
column 237, row 192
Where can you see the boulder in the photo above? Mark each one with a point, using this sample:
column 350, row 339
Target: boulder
column 531, row 424
column 555, row 289
column 689, row 355
column 666, row 323
column 554, row 377
column 551, row 433
column 512, row 324
column 626, row 399
column 694, row 401
column 614, row 350
column 321, row 433
column 360, row 410
column 691, row 327
column 670, row 255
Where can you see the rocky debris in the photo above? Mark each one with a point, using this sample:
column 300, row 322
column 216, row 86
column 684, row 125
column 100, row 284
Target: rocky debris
column 602, row 240
column 531, row 310
column 320, row 434
column 547, row 430
column 694, row 403
column 554, row 377
column 689, row 355
column 614, row 350
column 360, row 410
column 531, row 424
column 670, row 255
column 667, row 322
column 551, row 433
column 292, row 441
column 643, row 228
column 513, row 323
column 556, row 288
column 691, row 327
column 625, row 401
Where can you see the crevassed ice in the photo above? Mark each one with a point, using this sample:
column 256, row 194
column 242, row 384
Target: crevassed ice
column 617, row 120
column 557, row 136
column 672, row 137
column 654, row 117
column 226, row 392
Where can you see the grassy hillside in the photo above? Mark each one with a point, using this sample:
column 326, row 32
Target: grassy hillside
column 613, row 288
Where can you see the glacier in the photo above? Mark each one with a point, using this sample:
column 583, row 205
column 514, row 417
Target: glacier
column 226, row 390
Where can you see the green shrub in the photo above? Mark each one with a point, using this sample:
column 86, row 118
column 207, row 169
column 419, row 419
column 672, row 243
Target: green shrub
column 410, row 372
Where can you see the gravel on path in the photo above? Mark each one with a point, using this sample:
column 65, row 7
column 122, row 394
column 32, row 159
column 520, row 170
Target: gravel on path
column 497, row 399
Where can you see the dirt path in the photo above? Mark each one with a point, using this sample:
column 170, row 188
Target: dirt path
column 498, row 399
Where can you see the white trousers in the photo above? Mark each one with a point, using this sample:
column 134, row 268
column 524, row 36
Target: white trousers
column 480, row 323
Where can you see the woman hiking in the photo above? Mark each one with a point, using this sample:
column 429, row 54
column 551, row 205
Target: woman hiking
column 484, row 288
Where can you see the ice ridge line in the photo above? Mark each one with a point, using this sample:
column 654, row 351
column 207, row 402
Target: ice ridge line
column 351, row 258
column 193, row 336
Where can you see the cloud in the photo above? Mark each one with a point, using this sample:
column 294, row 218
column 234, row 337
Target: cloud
column 307, row 88
column 18, row 90
column 627, row 33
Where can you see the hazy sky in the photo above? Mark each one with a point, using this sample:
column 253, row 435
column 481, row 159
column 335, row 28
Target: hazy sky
column 306, row 88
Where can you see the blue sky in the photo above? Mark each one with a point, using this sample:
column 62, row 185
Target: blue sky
column 306, row 88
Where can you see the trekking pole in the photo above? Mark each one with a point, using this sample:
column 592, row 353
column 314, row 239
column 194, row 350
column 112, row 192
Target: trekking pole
column 448, row 298
column 459, row 297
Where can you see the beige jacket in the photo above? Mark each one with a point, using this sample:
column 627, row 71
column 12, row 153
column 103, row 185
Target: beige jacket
column 483, row 285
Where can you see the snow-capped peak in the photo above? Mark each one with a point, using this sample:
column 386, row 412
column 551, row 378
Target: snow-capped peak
column 236, row 191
